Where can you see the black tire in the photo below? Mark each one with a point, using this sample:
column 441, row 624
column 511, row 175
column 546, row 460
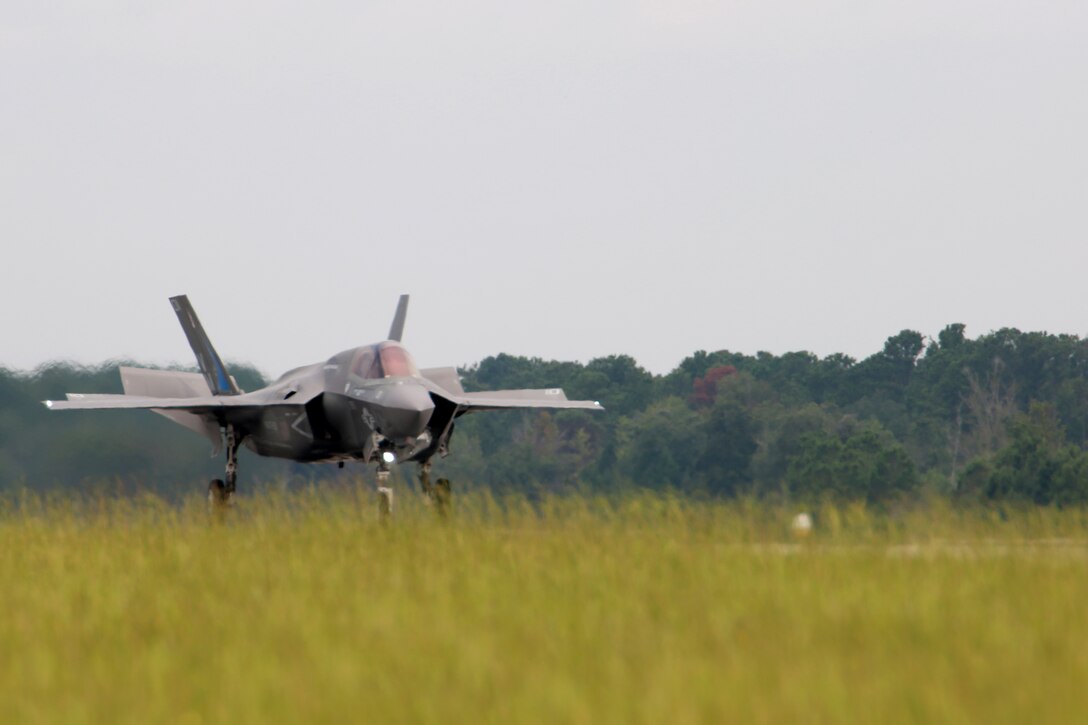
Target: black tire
column 442, row 495
column 218, row 496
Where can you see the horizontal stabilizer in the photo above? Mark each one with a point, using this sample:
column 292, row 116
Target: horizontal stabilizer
column 174, row 384
column 548, row 398
column 163, row 383
column 447, row 378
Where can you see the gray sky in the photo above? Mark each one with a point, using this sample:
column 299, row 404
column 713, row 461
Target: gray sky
column 561, row 179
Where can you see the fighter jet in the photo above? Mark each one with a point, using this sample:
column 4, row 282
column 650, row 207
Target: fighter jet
column 370, row 404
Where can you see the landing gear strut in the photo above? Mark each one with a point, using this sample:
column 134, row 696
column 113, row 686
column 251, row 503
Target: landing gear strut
column 425, row 480
column 385, row 493
column 220, row 493
column 437, row 492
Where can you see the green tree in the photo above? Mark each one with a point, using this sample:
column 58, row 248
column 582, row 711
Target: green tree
column 662, row 445
column 952, row 336
column 730, row 443
column 1037, row 465
column 860, row 463
column 782, row 438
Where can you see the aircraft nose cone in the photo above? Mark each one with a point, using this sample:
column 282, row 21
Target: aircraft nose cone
column 406, row 410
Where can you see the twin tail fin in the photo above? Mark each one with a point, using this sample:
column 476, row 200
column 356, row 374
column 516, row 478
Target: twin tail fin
column 211, row 366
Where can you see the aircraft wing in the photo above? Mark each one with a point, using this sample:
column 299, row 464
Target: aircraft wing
column 547, row 398
column 201, row 404
column 203, row 414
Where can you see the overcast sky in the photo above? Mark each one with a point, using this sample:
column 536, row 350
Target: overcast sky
column 557, row 179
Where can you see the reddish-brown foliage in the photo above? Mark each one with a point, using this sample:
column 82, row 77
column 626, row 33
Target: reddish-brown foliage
column 704, row 390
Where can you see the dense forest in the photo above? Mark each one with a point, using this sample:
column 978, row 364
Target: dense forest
column 1002, row 416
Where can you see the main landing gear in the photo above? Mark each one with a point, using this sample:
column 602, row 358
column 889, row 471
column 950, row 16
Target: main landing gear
column 438, row 492
column 220, row 492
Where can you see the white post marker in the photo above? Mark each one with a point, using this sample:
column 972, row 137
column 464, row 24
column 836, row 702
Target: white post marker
column 801, row 526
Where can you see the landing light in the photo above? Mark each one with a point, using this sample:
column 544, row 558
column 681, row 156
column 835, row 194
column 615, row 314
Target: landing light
column 389, row 456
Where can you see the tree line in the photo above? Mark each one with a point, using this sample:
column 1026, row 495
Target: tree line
column 1003, row 416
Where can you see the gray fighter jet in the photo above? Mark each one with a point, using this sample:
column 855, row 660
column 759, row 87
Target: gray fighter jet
column 370, row 404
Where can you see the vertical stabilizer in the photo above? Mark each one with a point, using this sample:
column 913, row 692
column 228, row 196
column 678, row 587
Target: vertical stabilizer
column 216, row 375
column 396, row 331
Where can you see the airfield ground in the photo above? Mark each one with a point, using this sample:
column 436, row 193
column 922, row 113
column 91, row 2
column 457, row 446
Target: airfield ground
column 646, row 608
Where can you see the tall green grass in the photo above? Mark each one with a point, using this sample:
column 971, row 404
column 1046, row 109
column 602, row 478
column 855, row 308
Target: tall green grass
column 637, row 608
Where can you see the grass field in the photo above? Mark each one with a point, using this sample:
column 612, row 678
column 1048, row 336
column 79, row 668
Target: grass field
column 302, row 607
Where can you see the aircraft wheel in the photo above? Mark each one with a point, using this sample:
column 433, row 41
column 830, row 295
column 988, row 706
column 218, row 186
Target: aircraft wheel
column 442, row 495
column 218, row 495
column 385, row 503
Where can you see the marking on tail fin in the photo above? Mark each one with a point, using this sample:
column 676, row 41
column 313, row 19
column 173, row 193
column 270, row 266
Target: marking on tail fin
column 396, row 330
column 215, row 373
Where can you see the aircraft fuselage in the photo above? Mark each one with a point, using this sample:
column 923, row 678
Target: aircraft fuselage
column 346, row 409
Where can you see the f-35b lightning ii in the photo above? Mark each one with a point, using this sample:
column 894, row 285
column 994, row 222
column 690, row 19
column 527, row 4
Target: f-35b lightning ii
column 370, row 404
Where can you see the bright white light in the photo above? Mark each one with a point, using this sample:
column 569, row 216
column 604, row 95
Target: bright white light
column 49, row 404
column 388, row 456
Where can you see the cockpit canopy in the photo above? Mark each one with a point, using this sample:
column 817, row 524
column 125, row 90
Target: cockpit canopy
column 387, row 359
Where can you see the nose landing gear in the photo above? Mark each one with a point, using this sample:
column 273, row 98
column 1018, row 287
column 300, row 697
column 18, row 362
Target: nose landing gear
column 385, row 493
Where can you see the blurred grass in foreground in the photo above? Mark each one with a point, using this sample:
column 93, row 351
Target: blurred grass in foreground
column 640, row 608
